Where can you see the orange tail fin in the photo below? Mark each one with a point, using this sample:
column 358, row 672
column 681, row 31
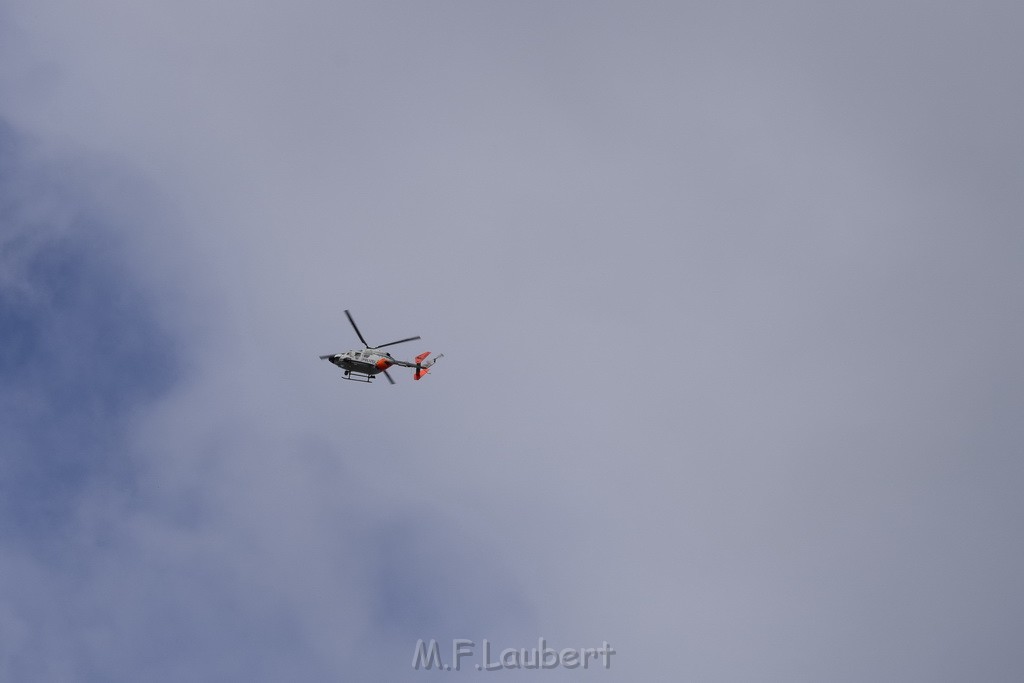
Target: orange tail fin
column 421, row 367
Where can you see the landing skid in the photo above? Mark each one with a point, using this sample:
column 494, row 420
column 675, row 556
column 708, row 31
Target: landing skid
column 357, row 377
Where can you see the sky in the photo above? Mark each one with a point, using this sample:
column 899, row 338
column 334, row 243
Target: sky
column 730, row 297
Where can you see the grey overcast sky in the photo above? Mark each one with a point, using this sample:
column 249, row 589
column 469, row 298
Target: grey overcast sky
column 730, row 296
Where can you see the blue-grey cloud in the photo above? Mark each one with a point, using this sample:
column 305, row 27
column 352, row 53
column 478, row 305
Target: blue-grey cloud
column 82, row 349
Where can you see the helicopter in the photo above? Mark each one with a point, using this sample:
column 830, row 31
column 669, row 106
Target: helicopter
column 362, row 365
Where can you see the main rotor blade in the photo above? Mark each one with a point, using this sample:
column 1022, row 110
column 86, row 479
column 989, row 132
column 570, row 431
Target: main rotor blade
column 388, row 375
column 400, row 341
column 358, row 333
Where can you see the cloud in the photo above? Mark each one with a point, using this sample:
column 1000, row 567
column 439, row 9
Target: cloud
column 80, row 349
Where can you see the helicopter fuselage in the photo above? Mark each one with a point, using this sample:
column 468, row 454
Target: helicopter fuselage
column 364, row 362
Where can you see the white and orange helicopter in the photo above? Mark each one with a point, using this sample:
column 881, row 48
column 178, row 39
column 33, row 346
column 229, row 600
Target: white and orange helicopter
column 362, row 365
